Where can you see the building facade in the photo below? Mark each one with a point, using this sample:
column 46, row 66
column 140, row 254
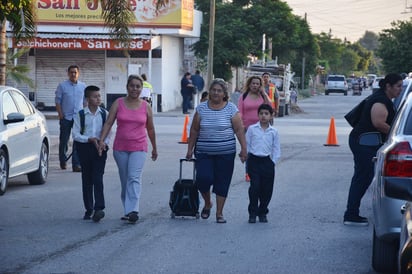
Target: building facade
column 73, row 32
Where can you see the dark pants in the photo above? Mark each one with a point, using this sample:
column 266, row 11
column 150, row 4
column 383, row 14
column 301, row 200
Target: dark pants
column 65, row 131
column 92, row 176
column 261, row 171
column 362, row 176
column 186, row 101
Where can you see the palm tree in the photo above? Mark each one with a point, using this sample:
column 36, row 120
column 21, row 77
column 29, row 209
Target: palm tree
column 21, row 16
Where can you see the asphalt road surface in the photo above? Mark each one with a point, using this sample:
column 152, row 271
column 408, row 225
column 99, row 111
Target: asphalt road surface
column 42, row 231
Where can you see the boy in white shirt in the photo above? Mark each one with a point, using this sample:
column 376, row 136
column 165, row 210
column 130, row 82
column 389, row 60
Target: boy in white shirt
column 263, row 149
column 88, row 124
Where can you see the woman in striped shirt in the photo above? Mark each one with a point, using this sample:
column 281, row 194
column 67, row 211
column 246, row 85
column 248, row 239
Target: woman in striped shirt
column 212, row 140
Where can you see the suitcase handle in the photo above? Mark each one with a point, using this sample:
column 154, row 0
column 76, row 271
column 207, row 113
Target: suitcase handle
column 194, row 168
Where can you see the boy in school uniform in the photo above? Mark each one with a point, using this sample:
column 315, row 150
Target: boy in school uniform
column 263, row 149
column 88, row 124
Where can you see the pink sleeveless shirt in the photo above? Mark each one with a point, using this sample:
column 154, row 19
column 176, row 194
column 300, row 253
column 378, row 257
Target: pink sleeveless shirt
column 131, row 128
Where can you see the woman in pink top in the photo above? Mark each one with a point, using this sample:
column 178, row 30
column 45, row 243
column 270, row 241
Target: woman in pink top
column 253, row 96
column 134, row 123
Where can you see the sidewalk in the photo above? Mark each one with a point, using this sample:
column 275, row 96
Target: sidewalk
column 172, row 113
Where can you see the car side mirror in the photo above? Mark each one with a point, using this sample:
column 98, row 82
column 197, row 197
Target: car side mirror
column 14, row 117
column 370, row 139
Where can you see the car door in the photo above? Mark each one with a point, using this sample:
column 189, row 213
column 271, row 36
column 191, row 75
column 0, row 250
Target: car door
column 14, row 136
column 32, row 132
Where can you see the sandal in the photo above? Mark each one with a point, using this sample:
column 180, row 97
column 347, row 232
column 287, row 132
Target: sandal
column 205, row 213
column 220, row 220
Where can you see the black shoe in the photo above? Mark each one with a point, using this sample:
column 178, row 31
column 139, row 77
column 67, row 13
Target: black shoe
column 263, row 219
column 77, row 169
column 355, row 220
column 133, row 217
column 98, row 215
column 124, row 218
column 87, row 216
column 63, row 165
column 252, row 219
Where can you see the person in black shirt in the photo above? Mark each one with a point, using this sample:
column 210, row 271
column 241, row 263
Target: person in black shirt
column 377, row 116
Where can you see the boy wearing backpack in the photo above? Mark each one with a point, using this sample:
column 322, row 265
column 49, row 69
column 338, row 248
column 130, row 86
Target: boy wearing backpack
column 88, row 124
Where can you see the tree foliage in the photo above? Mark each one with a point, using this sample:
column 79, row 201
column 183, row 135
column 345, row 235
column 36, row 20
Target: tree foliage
column 239, row 35
column 395, row 47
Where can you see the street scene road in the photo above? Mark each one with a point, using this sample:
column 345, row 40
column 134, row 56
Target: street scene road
column 42, row 231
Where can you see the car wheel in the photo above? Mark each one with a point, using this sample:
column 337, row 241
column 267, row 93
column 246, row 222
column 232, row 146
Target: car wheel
column 326, row 92
column 384, row 254
column 39, row 176
column 4, row 171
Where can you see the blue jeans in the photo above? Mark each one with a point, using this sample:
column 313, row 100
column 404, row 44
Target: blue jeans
column 130, row 165
column 64, row 137
column 186, row 102
column 362, row 176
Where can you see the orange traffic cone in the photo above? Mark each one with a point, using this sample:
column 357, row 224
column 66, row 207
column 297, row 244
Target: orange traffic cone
column 332, row 139
column 184, row 133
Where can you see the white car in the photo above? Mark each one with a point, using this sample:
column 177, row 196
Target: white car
column 375, row 84
column 24, row 139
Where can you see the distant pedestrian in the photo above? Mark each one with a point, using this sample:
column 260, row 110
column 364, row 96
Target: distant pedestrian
column 69, row 100
column 198, row 82
column 234, row 97
column 204, row 96
column 187, row 89
column 147, row 90
column 263, row 149
column 88, row 124
column 134, row 119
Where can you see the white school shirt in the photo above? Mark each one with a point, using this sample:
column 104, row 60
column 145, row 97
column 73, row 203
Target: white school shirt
column 93, row 125
column 263, row 142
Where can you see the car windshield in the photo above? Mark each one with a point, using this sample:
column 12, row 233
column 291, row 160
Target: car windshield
column 335, row 78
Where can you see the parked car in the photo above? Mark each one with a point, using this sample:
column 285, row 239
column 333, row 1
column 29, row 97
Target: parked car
column 406, row 89
column 337, row 84
column 375, row 84
column 371, row 78
column 24, row 139
column 393, row 167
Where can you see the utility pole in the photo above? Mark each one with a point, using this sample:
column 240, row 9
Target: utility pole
column 211, row 42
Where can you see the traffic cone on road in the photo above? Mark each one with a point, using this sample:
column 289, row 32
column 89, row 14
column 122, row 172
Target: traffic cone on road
column 184, row 133
column 332, row 139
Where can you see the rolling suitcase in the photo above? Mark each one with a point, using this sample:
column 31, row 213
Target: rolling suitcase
column 184, row 198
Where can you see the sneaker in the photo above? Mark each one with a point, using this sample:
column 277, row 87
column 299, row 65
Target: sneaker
column 87, row 215
column 247, row 178
column 355, row 220
column 263, row 219
column 98, row 215
column 133, row 217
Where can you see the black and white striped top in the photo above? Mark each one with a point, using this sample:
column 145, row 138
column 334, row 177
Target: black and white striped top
column 216, row 134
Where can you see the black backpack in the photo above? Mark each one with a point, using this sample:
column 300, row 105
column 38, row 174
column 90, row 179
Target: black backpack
column 82, row 119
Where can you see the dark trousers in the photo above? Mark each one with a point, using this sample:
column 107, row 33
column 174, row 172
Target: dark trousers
column 186, row 101
column 362, row 176
column 92, row 176
column 261, row 171
column 64, row 137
